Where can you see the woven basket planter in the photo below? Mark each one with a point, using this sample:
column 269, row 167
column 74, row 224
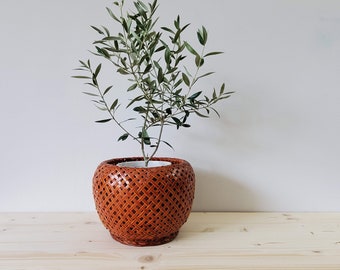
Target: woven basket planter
column 144, row 206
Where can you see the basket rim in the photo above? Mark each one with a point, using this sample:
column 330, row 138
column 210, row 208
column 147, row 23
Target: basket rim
column 174, row 161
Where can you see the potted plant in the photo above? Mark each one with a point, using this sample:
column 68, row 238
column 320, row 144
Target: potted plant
column 145, row 200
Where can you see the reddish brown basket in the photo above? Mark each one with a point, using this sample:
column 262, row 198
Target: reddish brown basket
column 144, row 206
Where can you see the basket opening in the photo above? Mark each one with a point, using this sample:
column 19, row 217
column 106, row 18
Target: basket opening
column 141, row 164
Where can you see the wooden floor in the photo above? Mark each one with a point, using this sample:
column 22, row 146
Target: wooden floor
column 44, row 241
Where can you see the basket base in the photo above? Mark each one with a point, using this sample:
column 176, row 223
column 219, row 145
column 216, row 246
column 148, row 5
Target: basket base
column 145, row 242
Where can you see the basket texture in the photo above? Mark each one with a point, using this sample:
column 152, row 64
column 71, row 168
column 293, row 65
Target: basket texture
column 144, row 206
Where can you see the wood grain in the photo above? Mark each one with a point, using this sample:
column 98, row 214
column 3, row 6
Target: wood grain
column 207, row 241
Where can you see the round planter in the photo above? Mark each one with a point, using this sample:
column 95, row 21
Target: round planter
column 143, row 206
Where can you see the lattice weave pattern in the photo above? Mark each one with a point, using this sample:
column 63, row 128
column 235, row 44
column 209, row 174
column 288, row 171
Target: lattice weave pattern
column 144, row 206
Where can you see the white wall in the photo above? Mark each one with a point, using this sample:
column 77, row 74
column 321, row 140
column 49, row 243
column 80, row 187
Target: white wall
column 275, row 148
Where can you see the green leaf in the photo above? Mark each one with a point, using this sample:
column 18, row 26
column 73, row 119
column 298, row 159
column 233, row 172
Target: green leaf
column 222, row 89
column 100, row 101
column 161, row 48
column 190, row 49
column 201, row 115
column 141, row 7
column 216, row 112
column 177, row 22
column 107, row 90
column 199, row 61
column 179, row 59
column 97, row 29
column 153, row 7
column 147, row 69
column 140, row 109
column 112, row 15
column 81, row 77
column 99, row 42
column 167, row 56
column 97, row 70
column 214, row 96
column 213, row 53
column 187, row 71
column 103, row 52
column 132, row 87
column 204, row 75
column 139, row 98
column 116, row 45
column 157, row 64
column 104, row 120
column 110, row 38
column 176, row 36
column 106, row 31
column 123, row 137
column 114, row 105
column 91, row 94
column 126, row 25
column 127, row 120
column 187, row 114
column 185, row 79
column 100, row 108
column 194, row 96
column 91, row 84
column 145, row 136
column 177, row 122
column 168, row 30
column 81, row 69
column 83, row 63
column 177, row 83
column 202, row 36
column 168, row 111
column 122, row 71
column 184, row 27
column 160, row 76
column 146, row 140
column 94, row 81
column 168, row 144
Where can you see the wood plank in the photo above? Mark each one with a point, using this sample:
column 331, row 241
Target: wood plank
column 207, row 241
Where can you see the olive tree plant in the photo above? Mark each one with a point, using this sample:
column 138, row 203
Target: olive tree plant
column 155, row 62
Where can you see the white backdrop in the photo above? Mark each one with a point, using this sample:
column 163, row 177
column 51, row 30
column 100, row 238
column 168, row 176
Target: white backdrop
column 275, row 148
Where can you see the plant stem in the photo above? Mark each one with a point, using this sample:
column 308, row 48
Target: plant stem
column 158, row 139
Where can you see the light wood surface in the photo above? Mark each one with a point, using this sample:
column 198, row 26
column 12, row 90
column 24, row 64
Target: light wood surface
column 207, row 241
